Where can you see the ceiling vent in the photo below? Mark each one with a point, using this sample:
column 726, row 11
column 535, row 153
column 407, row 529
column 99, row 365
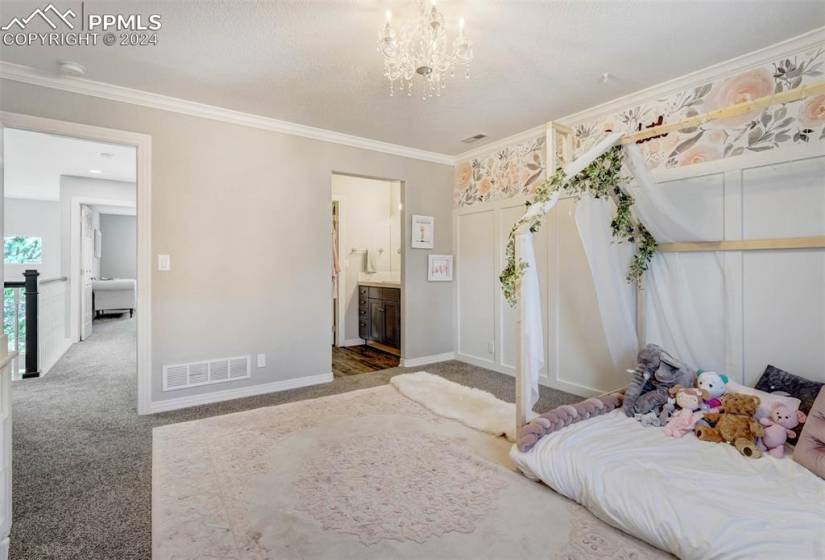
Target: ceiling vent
column 475, row 138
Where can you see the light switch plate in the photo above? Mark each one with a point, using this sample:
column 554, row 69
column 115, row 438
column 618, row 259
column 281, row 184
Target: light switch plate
column 491, row 347
column 164, row 263
column 261, row 360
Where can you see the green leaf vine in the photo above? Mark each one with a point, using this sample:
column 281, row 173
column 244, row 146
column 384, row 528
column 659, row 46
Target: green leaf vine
column 602, row 178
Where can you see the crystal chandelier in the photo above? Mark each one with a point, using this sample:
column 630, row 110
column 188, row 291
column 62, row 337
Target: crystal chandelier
column 420, row 48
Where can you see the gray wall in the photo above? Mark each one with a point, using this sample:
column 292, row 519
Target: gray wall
column 244, row 214
column 37, row 218
column 119, row 252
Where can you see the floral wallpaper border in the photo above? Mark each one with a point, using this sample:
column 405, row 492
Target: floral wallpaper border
column 519, row 168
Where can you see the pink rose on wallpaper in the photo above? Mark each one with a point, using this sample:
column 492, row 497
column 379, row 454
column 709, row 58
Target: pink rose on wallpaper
column 463, row 174
column 812, row 112
column 741, row 88
column 699, row 154
column 484, row 186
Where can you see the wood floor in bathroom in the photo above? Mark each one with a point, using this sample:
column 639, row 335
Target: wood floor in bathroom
column 360, row 359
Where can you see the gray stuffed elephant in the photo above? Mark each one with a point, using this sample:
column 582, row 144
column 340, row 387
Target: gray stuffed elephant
column 657, row 371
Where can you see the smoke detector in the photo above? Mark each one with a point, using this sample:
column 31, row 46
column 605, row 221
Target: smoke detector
column 474, row 138
column 73, row 69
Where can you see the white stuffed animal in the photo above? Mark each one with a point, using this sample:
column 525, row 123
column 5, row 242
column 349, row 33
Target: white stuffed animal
column 715, row 385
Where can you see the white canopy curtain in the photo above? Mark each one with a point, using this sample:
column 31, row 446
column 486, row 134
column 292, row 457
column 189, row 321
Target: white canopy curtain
column 673, row 320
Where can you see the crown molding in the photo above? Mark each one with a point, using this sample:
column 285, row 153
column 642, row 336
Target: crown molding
column 111, row 92
column 810, row 40
column 499, row 144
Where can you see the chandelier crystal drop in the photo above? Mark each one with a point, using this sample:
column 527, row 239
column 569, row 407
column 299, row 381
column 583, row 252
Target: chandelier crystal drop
column 420, row 48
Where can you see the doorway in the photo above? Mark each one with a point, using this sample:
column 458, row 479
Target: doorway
column 366, row 217
column 70, row 217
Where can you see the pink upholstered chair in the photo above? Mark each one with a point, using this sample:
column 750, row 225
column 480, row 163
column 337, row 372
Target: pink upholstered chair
column 810, row 449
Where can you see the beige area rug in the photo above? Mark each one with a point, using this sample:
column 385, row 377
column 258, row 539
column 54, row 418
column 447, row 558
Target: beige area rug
column 362, row 475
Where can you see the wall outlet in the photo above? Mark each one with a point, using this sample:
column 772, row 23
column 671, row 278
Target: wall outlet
column 261, row 360
column 491, row 347
column 164, row 263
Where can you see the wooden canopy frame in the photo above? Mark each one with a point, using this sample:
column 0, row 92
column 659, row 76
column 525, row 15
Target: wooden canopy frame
column 560, row 151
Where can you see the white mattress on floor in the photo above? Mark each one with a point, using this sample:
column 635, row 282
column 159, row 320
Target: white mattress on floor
column 692, row 498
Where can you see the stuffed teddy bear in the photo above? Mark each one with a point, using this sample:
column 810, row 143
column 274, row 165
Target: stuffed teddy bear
column 778, row 428
column 689, row 400
column 714, row 384
column 564, row 415
column 734, row 424
column 656, row 373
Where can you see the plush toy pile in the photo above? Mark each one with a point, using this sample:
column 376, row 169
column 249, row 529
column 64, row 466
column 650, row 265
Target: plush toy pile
column 666, row 394
column 663, row 393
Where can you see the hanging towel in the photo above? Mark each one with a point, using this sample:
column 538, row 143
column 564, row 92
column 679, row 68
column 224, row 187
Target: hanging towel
column 336, row 264
column 371, row 262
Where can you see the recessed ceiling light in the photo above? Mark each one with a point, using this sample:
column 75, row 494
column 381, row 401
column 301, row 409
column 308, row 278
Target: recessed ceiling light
column 604, row 78
column 95, row 171
column 69, row 68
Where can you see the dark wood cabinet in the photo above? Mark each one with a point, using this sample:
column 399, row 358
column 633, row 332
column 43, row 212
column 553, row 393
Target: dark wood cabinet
column 379, row 315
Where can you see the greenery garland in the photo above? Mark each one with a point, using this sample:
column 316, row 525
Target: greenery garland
column 602, row 178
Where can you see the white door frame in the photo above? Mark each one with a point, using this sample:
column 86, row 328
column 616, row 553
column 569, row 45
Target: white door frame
column 143, row 145
column 341, row 285
column 75, row 251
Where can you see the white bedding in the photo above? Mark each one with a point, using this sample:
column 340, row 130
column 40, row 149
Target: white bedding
column 692, row 498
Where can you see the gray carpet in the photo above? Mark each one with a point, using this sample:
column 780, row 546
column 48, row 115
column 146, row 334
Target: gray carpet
column 83, row 457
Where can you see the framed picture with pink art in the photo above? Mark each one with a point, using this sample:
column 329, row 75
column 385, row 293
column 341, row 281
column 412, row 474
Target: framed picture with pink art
column 423, row 232
column 440, row 268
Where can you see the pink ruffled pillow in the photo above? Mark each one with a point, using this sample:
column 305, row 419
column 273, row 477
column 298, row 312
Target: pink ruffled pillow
column 810, row 448
column 766, row 400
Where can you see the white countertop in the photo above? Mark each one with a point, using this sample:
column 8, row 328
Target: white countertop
column 380, row 284
column 383, row 279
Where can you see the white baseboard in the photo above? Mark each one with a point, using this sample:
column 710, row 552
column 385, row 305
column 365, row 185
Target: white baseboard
column 424, row 360
column 566, row 386
column 353, row 342
column 486, row 364
column 238, row 393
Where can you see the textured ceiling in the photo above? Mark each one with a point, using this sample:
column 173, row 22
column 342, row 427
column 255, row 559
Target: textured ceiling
column 28, row 174
column 315, row 62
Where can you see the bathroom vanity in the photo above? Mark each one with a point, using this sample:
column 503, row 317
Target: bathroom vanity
column 379, row 314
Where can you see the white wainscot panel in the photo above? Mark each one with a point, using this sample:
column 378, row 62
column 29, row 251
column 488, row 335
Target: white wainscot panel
column 697, row 202
column 698, row 280
column 784, row 313
column 52, row 338
column 507, row 322
column 475, row 267
column 784, row 200
column 582, row 361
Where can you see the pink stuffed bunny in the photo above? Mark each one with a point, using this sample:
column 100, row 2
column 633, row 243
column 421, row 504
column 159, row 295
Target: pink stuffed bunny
column 778, row 428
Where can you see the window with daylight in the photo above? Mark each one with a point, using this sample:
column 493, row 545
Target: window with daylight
column 21, row 249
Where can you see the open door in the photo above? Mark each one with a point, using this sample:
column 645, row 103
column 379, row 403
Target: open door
column 87, row 271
